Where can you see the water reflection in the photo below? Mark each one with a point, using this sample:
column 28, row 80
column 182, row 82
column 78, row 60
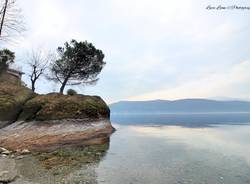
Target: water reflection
column 229, row 140
column 182, row 119
column 175, row 155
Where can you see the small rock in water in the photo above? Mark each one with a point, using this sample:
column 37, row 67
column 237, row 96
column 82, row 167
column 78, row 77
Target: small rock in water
column 19, row 157
column 4, row 176
column 25, row 151
column 3, row 156
column 4, row 151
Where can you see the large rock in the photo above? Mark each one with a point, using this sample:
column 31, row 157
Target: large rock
column 41, row 122
column 53, row 134
column 53, row 120
column 56, row 106
column 12, row 98
column 20, row 103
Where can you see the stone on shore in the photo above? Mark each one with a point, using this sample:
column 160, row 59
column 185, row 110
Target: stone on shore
column 8, row 172
column 47, row 135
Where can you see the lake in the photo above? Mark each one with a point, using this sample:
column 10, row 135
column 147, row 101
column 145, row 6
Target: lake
column 155, row 149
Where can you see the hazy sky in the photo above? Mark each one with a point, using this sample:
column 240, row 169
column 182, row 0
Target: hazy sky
column 155, row 49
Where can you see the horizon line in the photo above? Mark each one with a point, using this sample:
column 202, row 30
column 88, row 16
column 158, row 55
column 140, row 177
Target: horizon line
column 230, row 99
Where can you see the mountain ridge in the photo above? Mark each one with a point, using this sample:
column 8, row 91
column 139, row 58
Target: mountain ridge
column 181, row 105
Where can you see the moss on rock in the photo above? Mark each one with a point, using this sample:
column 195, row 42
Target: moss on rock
column 20, row 103
column 56, row 106
column 12, row 98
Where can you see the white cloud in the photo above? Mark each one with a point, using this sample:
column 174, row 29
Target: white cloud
column 233, row 82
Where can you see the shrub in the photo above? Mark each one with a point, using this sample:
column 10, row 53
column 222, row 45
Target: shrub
column 71, row 92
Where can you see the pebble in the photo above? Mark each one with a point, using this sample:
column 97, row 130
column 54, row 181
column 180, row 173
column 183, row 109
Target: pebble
column 19, row 157
column 3, row 156
column 25, row 151
column 4, row 151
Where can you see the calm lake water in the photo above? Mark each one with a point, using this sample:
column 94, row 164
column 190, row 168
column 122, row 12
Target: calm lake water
column 158, row 149
column 176, row 149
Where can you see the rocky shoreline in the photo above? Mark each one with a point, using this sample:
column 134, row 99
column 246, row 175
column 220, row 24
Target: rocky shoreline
column 46, row 122
column 74, row 164
column 43, row 136
column 51, row 136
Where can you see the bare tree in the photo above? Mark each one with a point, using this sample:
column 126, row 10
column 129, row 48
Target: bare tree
column 11, row 20
column 38, row 62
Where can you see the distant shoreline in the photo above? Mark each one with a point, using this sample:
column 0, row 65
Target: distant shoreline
column 175, row 113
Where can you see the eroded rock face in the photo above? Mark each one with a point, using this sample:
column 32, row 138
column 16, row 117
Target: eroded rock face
column 49, row 135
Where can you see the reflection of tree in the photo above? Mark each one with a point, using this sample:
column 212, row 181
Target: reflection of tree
column 67, row 165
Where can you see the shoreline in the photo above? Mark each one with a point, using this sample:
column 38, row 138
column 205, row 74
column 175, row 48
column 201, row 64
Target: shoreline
column 49, row 135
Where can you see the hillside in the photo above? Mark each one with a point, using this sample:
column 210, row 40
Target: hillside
column 176, row 106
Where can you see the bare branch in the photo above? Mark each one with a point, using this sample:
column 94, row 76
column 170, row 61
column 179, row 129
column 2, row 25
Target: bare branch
column 38, row 62
column 11, row 20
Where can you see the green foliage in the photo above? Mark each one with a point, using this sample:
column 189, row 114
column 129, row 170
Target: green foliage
column 6, row 57
column 71, row 92
column 78, row 63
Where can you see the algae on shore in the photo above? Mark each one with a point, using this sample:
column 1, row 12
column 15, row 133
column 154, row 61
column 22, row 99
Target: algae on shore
column 65, row 165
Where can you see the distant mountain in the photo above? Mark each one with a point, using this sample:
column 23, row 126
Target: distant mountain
column 177, row 106
column 223, row 98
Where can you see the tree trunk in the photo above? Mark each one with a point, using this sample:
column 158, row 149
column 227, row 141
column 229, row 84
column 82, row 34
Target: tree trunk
column 62, row 88
column 33, row 87
column 3, row 17
column 63, row 85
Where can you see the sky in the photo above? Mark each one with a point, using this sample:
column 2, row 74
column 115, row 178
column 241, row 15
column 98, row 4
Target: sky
column 154, row 49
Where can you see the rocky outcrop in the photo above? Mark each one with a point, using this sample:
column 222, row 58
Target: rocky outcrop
column 41, row 122
column 56, row 106
column 50, row 135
